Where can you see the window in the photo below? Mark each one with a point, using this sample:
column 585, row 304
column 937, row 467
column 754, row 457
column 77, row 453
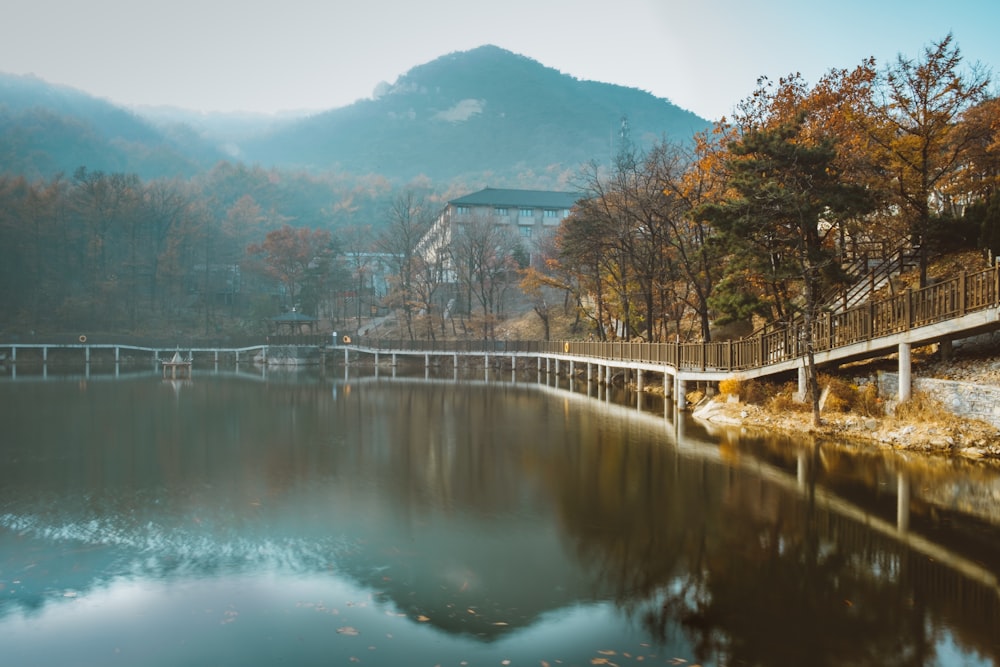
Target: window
column 527, row 213
column 525, row 232
column 552, row 216
column 501, row 211
column 463, row 210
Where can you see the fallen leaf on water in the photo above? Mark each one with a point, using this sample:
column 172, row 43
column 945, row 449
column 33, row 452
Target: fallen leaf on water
column 545, row 663
column 348, row 630
column 422, row 618
column 471, row 611
column 501, row 623
column 606, row 652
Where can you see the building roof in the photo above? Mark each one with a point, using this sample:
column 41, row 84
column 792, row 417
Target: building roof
column 516, row 198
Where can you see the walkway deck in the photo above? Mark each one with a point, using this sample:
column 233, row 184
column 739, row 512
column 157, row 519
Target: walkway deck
column 964, row 305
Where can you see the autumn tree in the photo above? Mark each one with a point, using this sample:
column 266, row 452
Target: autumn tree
column 581, row 244
column 688, row 182
column 923, row 144
column 295, row 256
column 783, row 190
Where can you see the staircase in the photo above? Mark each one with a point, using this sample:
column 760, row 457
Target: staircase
column 869, row 275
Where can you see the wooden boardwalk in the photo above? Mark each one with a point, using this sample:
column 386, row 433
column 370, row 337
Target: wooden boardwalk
column 961, row 306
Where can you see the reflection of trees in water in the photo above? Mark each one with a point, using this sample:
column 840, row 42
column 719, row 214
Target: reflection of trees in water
column 769, row 591
column 751, row 571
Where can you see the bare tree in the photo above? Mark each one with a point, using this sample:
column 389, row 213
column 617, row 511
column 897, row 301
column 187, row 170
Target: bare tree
column 485, row 256
column 409, row 218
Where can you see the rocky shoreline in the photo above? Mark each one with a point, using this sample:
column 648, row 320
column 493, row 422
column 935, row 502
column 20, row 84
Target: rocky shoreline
column 966, row 438
column 976, row 361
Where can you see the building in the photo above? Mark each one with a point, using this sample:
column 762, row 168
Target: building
column 531, row 214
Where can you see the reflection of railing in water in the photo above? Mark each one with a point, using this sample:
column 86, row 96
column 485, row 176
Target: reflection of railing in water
column 972, row 592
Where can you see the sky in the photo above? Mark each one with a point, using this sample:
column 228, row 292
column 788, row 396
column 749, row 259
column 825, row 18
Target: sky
column 293, row 55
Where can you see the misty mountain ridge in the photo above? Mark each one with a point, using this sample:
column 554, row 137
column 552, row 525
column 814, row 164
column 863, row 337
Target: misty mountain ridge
column 47, row 129
column 475, row 112
column 483, row 114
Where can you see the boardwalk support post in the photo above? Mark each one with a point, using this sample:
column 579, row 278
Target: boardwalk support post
column 905, row 389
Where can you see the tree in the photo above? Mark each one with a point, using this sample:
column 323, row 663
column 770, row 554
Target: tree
column 922, row 143
column 289, row 253
column 783, row 192
column 687, row 183
column 484, row 254
column 408, row 220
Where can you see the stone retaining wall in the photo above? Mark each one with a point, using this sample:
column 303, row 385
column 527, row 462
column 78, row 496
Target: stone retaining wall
column 965, row 399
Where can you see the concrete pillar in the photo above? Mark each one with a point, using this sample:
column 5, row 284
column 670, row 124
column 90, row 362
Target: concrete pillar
column 681, row 391
column 427, row 360
column 45, row 355
column 607, row 378
column 801, row 395
column 638, row 380
column 590, row 372
column 905, row 387
column 668, row 385
column 347, row 359
column 376, row 360
column 557, row 367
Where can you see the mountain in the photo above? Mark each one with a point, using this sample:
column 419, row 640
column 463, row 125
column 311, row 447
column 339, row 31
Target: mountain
column 47, row 129
column 484, row 111
column 484, row 115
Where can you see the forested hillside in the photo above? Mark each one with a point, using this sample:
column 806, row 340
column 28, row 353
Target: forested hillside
column 484, row 114
column 46, row 130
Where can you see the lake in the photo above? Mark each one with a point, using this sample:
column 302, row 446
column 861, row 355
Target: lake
column 251, row 518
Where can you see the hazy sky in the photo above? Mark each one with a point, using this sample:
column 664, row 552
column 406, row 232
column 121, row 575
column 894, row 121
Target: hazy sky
column 272, row 55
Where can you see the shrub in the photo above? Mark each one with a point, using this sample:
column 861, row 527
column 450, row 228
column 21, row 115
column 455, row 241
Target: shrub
column 841, row 395
column 755, row 391
column 730, row 386
column 784, row 400
column 869, row 404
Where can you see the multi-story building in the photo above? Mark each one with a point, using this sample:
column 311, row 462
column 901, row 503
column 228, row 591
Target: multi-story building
column 530, row 214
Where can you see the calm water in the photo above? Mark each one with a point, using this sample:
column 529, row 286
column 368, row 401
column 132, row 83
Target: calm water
column 303, row 520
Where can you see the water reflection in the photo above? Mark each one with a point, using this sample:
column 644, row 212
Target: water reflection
column 428, row 521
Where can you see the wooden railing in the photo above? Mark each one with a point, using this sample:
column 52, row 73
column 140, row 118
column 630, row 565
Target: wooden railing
column 948, row 299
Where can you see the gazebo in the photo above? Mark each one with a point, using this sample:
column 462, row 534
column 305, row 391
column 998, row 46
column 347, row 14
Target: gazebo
column 292, row 323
